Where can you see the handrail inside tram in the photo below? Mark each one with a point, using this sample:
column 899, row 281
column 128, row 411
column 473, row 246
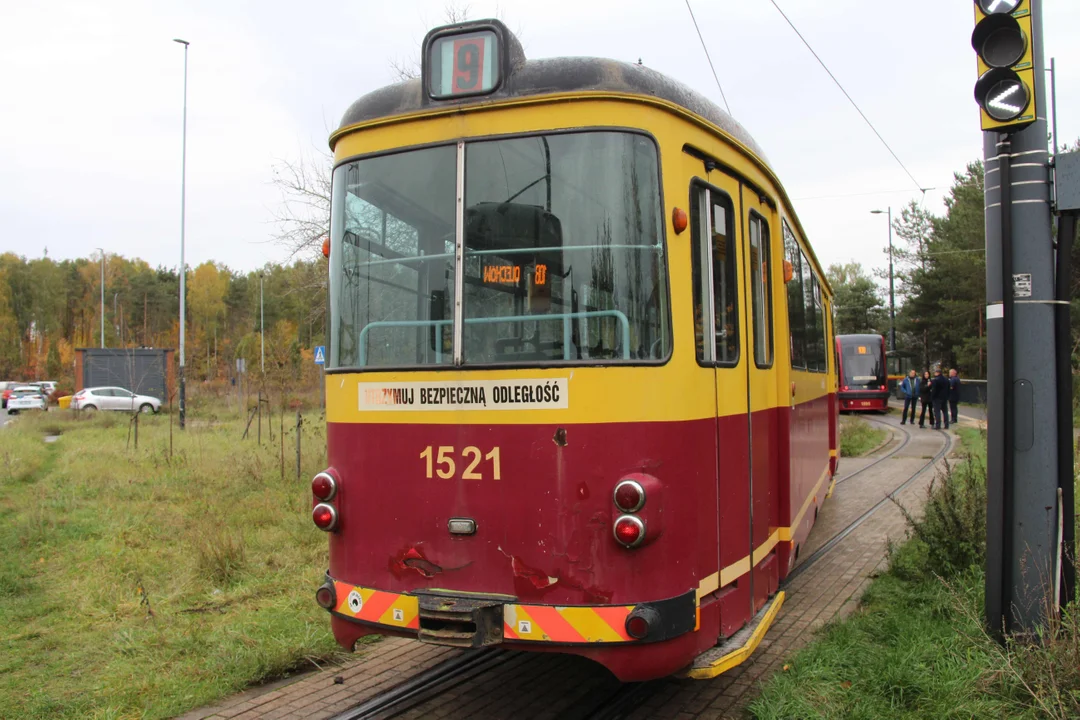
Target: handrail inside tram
column 657, row 247
column 624, row 322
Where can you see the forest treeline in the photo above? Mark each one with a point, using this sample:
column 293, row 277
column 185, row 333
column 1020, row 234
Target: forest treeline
column 49, row 308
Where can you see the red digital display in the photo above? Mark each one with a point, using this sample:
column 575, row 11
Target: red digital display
column 511, row 274
column 468, row 65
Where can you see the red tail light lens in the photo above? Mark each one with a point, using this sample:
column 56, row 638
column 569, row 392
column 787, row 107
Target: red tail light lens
column 323, row 486
column 629, row 496
column 637, row 626
column 324, row 516
column 325, row 597
column 882, row 387
column 629, row 531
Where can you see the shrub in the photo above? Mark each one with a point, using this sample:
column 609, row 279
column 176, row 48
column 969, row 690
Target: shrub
column 950, row 537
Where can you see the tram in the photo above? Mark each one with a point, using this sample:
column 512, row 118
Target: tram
column 579, row 394
column 862, row 373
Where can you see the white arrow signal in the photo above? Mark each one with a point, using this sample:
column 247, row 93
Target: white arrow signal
column 1009, row 5
column 998, row 102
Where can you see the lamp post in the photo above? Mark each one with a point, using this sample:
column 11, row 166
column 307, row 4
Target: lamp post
column 262, row 327
column 892, row 295
column 102, row 251
column 183, row 202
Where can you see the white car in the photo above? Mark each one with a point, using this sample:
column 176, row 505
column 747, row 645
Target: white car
column 26, row 397
column 113, row 398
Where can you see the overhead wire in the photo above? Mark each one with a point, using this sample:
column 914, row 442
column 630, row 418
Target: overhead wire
column 853, row 103
column 708, row 57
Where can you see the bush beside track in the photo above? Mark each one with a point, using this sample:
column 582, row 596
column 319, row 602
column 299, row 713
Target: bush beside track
column 135, row 584
column 917, row 648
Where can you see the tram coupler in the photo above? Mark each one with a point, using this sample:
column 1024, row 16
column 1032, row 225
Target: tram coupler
column 465, row 621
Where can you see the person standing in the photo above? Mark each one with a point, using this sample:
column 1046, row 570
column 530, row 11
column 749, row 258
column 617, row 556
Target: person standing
column 954, row 392
column 939, row 396
column 924, row 398
column 910, row 387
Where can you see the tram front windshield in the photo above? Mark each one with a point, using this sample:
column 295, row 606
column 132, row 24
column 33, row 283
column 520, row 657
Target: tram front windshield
column 863, row 368
column 563, row 254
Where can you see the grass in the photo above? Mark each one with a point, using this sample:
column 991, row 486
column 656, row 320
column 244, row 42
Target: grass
column 858, row 437
column 917, row 647
column 135, row 584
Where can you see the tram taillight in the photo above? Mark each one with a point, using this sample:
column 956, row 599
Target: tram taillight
column 324, row 516
column 325, row 596
column 629, row 531
column 323, row 486
column 629, row 496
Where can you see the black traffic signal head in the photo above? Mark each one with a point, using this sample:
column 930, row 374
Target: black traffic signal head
column 1003, row 41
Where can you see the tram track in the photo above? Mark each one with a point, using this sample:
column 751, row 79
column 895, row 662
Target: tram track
column 883, row 458
column 610, row 700
column 833, row 541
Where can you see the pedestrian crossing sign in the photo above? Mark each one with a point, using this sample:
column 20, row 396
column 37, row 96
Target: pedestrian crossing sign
column 320, row 354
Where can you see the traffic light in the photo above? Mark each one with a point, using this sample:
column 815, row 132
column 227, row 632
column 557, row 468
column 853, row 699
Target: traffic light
column 1004, row 42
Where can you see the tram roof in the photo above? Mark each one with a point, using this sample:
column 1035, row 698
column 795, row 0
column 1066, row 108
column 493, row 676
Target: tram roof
column 550, row 76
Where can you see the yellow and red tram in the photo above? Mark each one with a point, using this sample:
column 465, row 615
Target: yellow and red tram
column 579, row 395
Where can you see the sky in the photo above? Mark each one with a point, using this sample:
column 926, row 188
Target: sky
column 91, row 99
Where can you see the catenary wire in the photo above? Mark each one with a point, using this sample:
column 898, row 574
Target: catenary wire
column 707, row 57
column 853, row 103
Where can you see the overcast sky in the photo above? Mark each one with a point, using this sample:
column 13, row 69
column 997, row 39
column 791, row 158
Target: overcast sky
column 91, row 97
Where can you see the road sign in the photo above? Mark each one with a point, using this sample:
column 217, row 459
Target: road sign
column 320, row 354
column 241, row 365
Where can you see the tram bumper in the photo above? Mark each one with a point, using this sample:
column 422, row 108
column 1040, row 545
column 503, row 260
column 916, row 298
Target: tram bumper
column 472, row 620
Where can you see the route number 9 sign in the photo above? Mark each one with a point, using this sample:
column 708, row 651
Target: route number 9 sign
column 463, row 65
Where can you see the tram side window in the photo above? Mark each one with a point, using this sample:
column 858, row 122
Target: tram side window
column 392, row 259
column 712, row 216
column 816, row 335
column 760, row 290
column 796, row 311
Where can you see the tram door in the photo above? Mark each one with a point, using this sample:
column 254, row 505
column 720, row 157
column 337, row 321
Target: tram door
column 717, row 259
column 763, row 396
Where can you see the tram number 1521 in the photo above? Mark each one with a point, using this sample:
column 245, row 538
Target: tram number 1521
column 440, row 461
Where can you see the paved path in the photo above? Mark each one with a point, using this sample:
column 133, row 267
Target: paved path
column 549, row 685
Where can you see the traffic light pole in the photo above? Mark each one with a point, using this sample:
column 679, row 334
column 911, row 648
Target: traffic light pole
column 1022, row 452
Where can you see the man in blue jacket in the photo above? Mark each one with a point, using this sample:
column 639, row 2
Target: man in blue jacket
column 910, row 387
column 939, row 396
column 954, row 392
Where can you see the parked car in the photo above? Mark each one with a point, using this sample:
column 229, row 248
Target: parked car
column 113, row 398
column 49, row 385
column 26, row 397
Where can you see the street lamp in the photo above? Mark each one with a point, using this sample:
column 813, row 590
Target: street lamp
column 102, row 297
column 262, row 326
column 183, row 201
column 892, row 295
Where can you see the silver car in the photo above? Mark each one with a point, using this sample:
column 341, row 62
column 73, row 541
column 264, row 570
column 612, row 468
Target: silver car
column 114, row 398
column 26, row 397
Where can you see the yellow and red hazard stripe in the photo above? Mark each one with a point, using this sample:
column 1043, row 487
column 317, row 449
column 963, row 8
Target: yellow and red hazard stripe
column 377, row 606
column 573, row 624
